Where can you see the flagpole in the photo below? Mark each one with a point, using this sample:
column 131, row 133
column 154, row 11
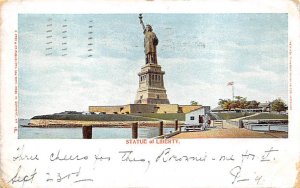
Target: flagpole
column 232, row 88
column 232, row 91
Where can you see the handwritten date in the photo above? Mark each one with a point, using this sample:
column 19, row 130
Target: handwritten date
column 22, row 178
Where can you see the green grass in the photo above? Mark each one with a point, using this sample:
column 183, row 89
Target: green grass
column 268, row 116
column 93, row 117
column 226, row 116
column 170, row 116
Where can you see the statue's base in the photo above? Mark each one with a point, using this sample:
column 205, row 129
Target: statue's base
column 152, row 101
column 151, row 86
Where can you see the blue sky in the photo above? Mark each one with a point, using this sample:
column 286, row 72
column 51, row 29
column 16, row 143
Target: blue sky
column 200, row 54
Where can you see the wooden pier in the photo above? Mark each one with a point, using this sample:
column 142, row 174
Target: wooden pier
column 87, row 130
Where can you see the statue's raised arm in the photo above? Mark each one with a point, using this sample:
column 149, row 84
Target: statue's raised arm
column 141, row 22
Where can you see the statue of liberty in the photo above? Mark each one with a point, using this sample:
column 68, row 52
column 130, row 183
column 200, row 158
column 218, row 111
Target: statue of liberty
column 150, row 43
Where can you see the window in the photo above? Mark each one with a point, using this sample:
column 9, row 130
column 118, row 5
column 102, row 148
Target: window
column 141, row 97
column 157, row 96
column 192, row 118
column 155, row 77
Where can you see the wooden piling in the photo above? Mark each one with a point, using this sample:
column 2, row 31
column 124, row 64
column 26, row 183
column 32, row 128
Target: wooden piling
column 161, row 128
column 240, row 123
column 87, row 132
column 176, row 124
column 134, row 130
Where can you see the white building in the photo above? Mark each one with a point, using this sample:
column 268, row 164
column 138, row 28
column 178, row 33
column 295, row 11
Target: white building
column 197, row 116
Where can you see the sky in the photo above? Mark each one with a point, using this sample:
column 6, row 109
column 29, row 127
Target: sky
column 72, row 61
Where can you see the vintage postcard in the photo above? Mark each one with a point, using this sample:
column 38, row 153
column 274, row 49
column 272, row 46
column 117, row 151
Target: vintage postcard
column 149, row 94
column 78, row 70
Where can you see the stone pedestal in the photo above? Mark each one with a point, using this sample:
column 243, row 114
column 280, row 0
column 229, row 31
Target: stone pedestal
column 151, row 86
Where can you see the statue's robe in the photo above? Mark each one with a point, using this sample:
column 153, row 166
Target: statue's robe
column 150, row 42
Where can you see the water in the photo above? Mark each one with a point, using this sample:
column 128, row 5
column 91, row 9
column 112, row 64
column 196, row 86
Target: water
column 283, row 128
column 76, row 133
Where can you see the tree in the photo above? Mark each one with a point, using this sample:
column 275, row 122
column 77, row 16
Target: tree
column 233, row 105
column 194, row 103
column 222, row 101
column 239, row 102
column 252, row 104
column 278, row 105
column 239, row 98
column 226, row 105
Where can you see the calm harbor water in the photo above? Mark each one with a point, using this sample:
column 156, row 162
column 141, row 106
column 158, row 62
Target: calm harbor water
column 76, row 133
column 283, row 128
column 105, row 133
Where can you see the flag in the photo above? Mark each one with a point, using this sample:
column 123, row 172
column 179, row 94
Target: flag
column 230, row 83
